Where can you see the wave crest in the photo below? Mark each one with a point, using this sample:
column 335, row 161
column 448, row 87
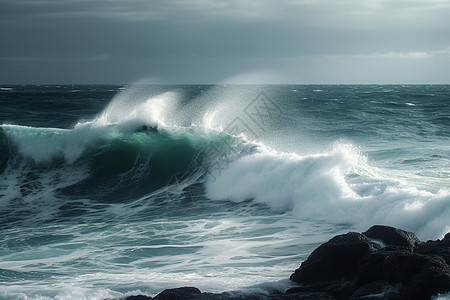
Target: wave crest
column 338, row 186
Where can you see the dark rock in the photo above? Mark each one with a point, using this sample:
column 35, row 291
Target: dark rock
column 398, row 267
column 138, row 297
column 446, row 239
column 193, row 293
column 306, row 293
column 393, row 236
column 350, row 266
column 375, row 290
column 303, row 296
column 181, row 293
column 416, row 274
column 433, row 277
column 337, row 259
column 146, row 128
column 441, row 248
column 370, row 268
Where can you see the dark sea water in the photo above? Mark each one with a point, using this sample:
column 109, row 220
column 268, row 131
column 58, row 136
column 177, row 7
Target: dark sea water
column 108, row 191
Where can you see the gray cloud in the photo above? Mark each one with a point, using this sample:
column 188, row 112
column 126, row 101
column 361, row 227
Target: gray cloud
column 209, row 40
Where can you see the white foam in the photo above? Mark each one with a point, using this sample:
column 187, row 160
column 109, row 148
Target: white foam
column 43, row 144
column 445, row 296
column 224, row 254
column 39, row 194
column 338, row 186
column 63, row 291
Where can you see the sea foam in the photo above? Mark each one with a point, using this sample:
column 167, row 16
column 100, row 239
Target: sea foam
column 338, row 186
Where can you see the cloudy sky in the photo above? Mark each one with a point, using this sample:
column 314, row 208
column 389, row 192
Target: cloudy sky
column 211, row 41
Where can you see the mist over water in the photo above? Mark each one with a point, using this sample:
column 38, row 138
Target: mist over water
column 107, row 191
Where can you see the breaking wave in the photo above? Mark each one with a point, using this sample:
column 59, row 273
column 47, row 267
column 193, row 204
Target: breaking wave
column 137, row 145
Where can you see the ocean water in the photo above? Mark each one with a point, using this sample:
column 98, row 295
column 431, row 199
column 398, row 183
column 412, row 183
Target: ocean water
column 108, row 191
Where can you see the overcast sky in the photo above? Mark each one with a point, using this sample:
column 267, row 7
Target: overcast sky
column 238, row 41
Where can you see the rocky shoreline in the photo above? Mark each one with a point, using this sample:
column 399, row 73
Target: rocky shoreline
column 381, row 263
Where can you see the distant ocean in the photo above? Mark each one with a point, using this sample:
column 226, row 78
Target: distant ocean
column 108, row 191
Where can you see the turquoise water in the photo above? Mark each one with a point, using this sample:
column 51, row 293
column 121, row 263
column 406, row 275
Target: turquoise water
column 107, row 191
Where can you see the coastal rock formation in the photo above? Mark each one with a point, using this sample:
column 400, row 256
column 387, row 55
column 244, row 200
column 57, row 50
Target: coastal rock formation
column 381, row 263
column 393, row 236
column 336, row 260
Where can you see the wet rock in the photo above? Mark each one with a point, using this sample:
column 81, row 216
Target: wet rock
column 337, row 259
column 179, row 294
column 393, row 236
column 193, row 293
column 404, row 268
column 439, row 247
column 139, row 297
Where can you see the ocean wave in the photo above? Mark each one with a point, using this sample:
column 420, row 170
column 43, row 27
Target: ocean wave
column 139, row 143
column 118, row 165
column 338, row 186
